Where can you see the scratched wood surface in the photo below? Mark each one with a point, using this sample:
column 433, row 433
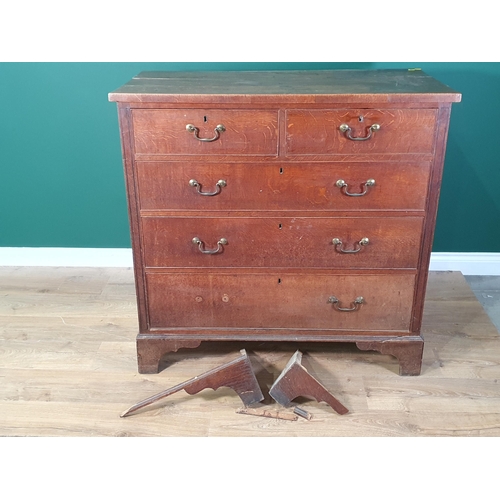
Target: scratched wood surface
column 304, row 87
column 68, row 368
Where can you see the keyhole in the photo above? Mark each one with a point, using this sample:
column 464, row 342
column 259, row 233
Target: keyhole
column 279, row 226
column 279, row 281
column 205, row 119
column 361, row 118
column 281, row 170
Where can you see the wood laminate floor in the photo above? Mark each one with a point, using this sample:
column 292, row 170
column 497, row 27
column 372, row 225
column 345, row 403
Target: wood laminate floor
column 68, row 368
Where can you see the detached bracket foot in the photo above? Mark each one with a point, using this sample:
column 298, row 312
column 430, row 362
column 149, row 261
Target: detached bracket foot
column 295, row 381
column 237, row 375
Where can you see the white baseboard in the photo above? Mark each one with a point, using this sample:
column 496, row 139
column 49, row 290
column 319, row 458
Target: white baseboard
column 468, row 263
column 472, row 263
column 66, row 257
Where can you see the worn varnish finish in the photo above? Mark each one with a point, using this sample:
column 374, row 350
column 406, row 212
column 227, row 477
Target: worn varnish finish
column 164, row 186
column 280, row 179
column 295, row 381
column 164, row 131
column 237, row 375
column 68, row 368
column 401, row 131
column 286, row 301
column 393, row 242
column 323, row 87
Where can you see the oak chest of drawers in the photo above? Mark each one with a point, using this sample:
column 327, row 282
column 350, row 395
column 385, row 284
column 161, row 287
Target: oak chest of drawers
column 290, row 205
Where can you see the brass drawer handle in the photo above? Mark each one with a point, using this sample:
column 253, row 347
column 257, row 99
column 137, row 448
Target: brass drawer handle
column 347, row 131
column 338, row 245
column 357, row 304
column 343, row 187
column 220, row 184
column 202, row 248
column 195, row 130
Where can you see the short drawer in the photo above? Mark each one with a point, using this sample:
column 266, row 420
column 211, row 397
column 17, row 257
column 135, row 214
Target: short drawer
column 334, row 243
column 291, row 301
column 319, row 132
column 245, row 132
column 308, row 186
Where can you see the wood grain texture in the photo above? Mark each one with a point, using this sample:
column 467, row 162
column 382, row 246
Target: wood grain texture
column 127, row 146
column 407, row 351
column 287, row 186
column 287, row 301
column 73, row 374
column 237, row 374
column 362, row 86
column 431, row 213
column 387, row 157
column 282, row 241
column 316, row 132
column 246, row 131
column 295, row 380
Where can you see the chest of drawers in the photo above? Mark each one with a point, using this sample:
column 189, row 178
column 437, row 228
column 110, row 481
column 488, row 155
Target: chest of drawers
column 282, row 206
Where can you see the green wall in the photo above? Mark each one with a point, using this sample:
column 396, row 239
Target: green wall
column 62, row 181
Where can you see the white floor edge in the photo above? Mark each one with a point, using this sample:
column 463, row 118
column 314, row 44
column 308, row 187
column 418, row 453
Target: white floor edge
column 472, row 263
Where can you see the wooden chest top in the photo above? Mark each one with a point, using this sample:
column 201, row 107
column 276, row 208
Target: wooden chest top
column 332, row 86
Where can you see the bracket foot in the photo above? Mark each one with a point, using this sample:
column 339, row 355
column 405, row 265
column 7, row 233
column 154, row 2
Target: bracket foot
column 237, row 375
column 151, row 349
column 409, row 352
column 295, row 381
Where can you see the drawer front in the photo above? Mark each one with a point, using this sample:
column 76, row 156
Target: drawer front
column 292, row 301
column 163, row 131
column 166, row 186
column 392, row 242
column 317, row 132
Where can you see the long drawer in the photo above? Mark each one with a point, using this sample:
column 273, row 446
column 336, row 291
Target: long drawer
column 272, row 300
column 400, row 131
column 319, row 242
column 309, row 186
column 163, row 131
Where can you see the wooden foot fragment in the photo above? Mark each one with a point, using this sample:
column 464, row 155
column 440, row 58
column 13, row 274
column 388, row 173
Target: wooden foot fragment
column 295, row 381
column 409, row 352
column 262, row 412
column 237, row 375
